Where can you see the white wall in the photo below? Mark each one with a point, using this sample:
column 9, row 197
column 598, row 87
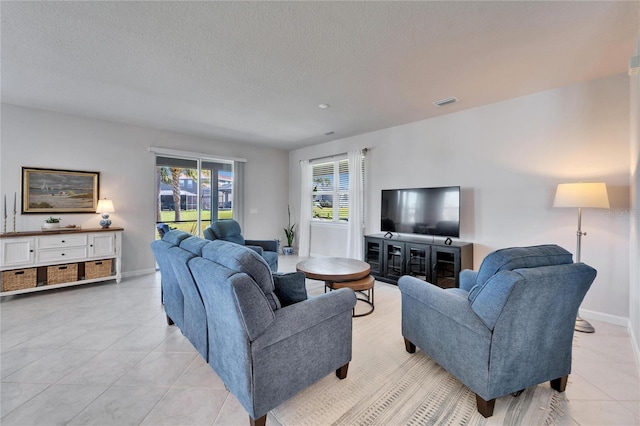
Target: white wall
column 37, row 138
column 508, row 158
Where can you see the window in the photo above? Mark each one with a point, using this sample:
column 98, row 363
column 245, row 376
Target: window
column 192, row 191
column 330, row 195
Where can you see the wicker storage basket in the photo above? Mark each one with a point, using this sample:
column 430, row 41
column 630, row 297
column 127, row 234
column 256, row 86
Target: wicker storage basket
column 97, row 269
column 19, row 279
column 62, row 273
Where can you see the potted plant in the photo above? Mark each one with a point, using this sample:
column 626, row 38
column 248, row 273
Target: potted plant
column 290, row 232
column 52, row 222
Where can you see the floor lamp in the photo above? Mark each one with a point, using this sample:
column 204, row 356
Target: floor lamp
column 581, row 195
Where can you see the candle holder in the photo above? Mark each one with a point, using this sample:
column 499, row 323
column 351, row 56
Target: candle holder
column 14, row 221
column 5, row 225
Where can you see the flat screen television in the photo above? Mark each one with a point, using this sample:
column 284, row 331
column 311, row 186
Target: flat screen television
column 426, row 211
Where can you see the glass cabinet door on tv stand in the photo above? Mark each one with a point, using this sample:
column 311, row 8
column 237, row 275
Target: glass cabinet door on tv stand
column 445, row 267
column 373, row 255
column 418, row 261
column 393, row 260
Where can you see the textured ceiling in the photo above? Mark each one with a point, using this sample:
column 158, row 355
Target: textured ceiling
column 255, row 72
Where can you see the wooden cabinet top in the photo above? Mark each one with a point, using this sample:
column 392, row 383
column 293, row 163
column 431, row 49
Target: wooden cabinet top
column 58, row 231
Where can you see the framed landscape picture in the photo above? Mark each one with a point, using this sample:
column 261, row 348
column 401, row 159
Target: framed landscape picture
column 59, row 191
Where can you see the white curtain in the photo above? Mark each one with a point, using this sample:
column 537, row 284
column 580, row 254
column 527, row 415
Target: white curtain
column 356, row 206
column 238, row 193
column 304, row 225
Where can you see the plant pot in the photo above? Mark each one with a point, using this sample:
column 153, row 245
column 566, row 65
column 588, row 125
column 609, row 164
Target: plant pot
column 48, row 225
column 287, row 250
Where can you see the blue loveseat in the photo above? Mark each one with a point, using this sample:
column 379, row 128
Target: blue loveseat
column 508, row 327
column 264, row 352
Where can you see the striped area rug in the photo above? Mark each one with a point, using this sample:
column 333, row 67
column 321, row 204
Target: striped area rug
column 386, row 385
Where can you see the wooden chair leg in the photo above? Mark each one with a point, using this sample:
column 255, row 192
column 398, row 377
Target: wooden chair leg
column 410, row 347
column 342, row 371
column 559, row 384
column 169, row 320
column 485, row 407
column 260, row 421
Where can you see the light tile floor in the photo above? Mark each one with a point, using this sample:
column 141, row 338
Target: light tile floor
column 102, row 354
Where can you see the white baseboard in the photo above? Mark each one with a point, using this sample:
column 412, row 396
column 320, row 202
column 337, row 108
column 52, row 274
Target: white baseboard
column 138, row 273
column 608, row 318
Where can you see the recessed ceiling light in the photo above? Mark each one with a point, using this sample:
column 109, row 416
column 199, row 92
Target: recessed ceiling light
column 446, row 101
column 323, row 106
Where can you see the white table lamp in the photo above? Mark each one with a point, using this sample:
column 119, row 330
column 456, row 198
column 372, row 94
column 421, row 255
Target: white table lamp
column 105, row 207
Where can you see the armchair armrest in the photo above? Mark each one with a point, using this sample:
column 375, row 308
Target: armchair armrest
column 257, row 249
column 448, row 303
column 267, row 245
column 304, row 315
column 467, row 279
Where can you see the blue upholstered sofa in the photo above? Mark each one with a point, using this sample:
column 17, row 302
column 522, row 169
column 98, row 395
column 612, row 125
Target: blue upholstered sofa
column 172, row 297
column 229, row 230
column 508, row 327
column 263, row 351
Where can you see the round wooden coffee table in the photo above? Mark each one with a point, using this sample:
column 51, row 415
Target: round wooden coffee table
column 338, row 272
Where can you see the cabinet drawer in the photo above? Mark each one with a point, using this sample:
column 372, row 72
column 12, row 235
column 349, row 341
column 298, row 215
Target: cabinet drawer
column 61, row 255
column 59, row 241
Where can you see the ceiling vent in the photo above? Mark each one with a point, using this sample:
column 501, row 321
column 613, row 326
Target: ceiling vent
column 446, row 101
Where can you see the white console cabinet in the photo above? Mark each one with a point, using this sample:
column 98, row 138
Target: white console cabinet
column 33, row 254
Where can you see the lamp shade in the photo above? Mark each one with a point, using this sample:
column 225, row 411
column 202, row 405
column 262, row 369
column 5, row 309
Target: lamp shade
column 582, row 195
column 105, row 206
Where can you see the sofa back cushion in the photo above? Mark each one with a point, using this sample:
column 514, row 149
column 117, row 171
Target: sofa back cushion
column 243, row 260
column 512, row 258
column 193, row 245
column 237, row 309
column 545, row 291
column 175, row 236
column 228, row 230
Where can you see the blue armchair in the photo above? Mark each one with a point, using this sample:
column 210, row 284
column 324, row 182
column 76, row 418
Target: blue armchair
column 229, row 230
column 508, row 327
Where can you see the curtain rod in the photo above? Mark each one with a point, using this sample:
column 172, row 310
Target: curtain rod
column 329, row 157
column 190, row 154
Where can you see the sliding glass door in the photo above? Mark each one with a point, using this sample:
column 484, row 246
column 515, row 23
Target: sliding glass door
column 191, row 191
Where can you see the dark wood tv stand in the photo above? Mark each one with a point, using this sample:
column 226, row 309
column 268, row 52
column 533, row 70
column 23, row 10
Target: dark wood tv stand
column 425, row 258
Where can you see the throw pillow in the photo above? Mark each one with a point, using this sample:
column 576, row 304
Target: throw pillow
column 290, row 288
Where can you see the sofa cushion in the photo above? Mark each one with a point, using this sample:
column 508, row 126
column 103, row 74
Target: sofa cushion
column 193, row 245
column 228, row 230
column 290, row 287
column 242, row 259
column 175, row 236
column 512, row 258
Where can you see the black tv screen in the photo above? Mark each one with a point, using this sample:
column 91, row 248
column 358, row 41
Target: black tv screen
column 426, row 211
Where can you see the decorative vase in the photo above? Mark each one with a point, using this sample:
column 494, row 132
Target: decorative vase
column 287, row 250
column 48, row 225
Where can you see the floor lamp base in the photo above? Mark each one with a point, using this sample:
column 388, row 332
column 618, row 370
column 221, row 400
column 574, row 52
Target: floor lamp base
column 583, row 326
